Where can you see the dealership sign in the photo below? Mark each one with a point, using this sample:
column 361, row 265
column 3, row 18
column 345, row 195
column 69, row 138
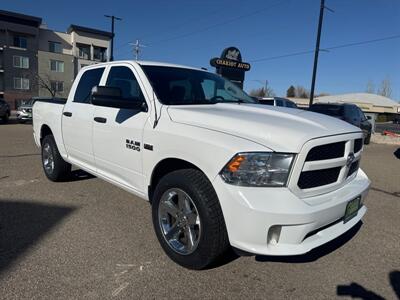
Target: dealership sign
column 230, row 65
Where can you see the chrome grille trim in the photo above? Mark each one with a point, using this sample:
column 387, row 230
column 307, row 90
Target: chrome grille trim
column 301, row 165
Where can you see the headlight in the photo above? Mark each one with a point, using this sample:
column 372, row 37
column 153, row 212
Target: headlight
column 258, row 169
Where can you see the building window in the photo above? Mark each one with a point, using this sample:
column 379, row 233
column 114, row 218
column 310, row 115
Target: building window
column 21, row 62
column 55, row 47
column 56, row 65
column 57, row 86
column 20, row 41
column 83, row 51
column 21, row 83
column 99, row 53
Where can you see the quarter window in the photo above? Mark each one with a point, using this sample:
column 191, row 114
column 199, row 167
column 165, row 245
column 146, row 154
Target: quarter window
column 89, row 79
column 21, row 62
column 123, row 78
column 21, row 83
column 56, row 65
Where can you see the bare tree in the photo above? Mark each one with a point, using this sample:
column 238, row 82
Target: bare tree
column 266, row 91
column 43, row 81
column 370, row 87
column 386, row 88
column 302, row 92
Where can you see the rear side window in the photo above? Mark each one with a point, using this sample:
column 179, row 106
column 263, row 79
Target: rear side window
column 279, row 102
column 88, row 80
column 123, row 78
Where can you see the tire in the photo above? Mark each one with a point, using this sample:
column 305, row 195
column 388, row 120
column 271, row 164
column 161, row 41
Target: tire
column 5, row 118
column 210, row 239
column 367, row 140
column 54, row 166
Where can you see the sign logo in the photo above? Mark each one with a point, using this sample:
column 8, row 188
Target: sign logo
column 350, row 159
column 230, row 65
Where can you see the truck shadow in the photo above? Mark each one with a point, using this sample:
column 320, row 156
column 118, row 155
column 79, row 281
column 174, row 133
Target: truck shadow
column 23, row 224
column 78, row 175
column 316, row 253
column 355, row 290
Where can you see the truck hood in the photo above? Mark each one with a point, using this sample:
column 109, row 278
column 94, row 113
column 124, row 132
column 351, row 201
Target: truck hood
column 278, row 128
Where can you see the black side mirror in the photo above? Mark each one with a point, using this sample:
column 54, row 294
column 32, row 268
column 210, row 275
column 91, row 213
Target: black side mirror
column 112, row 97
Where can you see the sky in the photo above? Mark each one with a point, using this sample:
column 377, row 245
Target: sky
column 192, row 32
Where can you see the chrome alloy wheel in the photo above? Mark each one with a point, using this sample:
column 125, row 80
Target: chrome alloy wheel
column 48, row 161
column 179, row 221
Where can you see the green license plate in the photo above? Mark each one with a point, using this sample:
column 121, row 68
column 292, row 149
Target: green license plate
column 352, row 209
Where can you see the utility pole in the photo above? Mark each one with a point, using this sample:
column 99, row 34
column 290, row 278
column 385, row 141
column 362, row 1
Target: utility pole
column 113, row 18
column 137, row 48
column 314, row 75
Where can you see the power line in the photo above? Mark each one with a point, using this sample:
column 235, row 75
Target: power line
column 328, row 48
column 220, row 23
column 212, row 26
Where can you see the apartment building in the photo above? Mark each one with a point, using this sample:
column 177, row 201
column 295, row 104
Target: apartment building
column 37, row 61
column 19, row 40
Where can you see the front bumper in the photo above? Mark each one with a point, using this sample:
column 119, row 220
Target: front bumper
column 24, row 116
column 274, row 221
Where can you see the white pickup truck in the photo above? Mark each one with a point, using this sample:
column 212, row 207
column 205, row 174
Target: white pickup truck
column 219, row 169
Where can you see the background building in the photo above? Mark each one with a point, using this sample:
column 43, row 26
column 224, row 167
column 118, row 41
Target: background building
column 19, row 40
column 37, row 61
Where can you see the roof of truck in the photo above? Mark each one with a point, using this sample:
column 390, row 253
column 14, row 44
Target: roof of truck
column 147, row 63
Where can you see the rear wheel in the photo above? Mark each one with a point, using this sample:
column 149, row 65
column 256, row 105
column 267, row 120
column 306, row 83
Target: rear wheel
column 54, row 166
column 188, row 219
column 367, row 139
column 5, row 118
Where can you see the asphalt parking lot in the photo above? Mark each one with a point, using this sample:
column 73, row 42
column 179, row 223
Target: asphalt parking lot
column 86, row 239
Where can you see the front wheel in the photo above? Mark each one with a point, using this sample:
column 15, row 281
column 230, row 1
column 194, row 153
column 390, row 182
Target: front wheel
column 188, row 219
column 54, row 166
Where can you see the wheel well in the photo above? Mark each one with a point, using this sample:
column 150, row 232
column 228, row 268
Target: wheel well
column 164, row 167
column 44, row 131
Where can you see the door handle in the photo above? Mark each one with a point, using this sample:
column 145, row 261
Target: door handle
column 67, row 114
column 100, row 119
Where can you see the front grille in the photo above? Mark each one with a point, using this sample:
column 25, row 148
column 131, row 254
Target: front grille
column 328, row 151
column 353, row 168
column 316, row 178
column 358, row 145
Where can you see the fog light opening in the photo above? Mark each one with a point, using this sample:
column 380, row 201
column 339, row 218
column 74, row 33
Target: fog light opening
column 274, row 234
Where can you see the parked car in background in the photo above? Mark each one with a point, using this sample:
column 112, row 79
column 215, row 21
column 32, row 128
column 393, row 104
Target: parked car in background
column 277, row 101
column 4, row 111
column 24, row 111
column 350, row 113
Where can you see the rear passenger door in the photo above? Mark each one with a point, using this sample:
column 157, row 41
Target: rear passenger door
column 117, row 139
column 77, row 120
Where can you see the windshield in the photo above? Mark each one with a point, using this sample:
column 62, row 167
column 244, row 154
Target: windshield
column 330, row 110
column 179, row 86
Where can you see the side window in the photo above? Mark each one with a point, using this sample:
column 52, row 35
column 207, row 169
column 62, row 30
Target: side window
column 88, row 80
column 279, row 102
column 123, row 78
column 362, row 116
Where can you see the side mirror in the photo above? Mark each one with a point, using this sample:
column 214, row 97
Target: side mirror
column 369, row 118
column 112, row 97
